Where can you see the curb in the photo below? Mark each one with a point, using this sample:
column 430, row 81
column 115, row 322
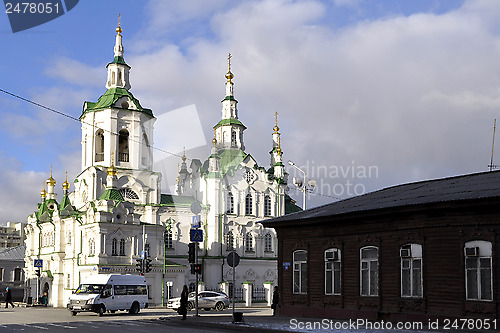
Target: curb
column 238, row 327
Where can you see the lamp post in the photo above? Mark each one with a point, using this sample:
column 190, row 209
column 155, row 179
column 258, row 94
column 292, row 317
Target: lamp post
column 302, row 185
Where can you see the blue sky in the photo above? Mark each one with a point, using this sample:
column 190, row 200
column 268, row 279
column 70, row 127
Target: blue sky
column 410, row 87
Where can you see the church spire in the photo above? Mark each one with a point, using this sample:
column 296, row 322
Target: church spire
column 276, row 152
column 229, row 131
column 118, row 70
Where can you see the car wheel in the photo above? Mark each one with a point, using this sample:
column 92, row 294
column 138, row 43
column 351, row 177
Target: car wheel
column 219, row 306
column 102, row 309
column 189, row 306
column 134, row 309
column 73, row 313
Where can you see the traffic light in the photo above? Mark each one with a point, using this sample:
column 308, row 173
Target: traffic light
column 139, row 266
column 37, row 272
column 195, row 268
column 147, row 265
column 191, row 255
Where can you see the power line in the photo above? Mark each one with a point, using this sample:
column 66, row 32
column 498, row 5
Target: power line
column 83, row 122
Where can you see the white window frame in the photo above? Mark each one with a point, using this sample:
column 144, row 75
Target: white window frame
column 249, row 204
column 230, row 241
column 230, row 203
column 268, row 242
column 91, row 247
column 114, row 247
column 299, row 272
column 367, row 272
column 333, row 267
column 122, row 247
column 169, row 243
column 414, row 265
column 267, row 205
column 249, row 242
column 484, row 252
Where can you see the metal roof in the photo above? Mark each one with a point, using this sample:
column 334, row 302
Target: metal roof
column 466, row 187
column 13, row 253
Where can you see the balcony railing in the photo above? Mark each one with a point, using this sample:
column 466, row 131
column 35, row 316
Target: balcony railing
column 123, row 157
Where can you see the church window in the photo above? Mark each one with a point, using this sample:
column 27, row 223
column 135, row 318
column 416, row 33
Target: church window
column 99, row 146
column 145, row 150
column 119, row 78
column 230, row 203
column 267, row 205
column 233, row 138
column 248, row 176
column 230, row 241
column 123, row 146
column 248, row 204
column 248, row 242
column 91, row 247
column 114, row 247
column 128, row 194
column 268, row 243
column 122, row 247
column 168, row 239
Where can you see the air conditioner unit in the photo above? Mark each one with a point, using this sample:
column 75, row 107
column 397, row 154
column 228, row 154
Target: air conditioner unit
column 332, row 255
column 405, row 253
column 471, row 251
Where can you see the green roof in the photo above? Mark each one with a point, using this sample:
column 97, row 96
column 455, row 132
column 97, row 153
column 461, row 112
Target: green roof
column 230, row 159
column 229, row 98
column 119, row 60
column 64, row 203
column 230, row 121
column 109, row 99
column 176, row 200
column 290, row 206
column 111, row 194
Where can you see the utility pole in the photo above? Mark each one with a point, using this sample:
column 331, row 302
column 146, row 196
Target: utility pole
column 492, row 166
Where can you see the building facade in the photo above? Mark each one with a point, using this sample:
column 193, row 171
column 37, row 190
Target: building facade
column 414, row 252
column 117, row 209
column 11, row 235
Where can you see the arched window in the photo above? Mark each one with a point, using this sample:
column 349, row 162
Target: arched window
column 233, row 138
column 230, row 241
column 248, row 242
column 332, row 271
column 145, row 150
column 99, row 146
column 267, row 205
column 369, row 271
column 114, row 247
column 411, row 270
column 478, row 276
column 168, row 239
column 300, row 272
column 122, row 247
column 123, row 146
column 268, row 243
column 248, row 204
column 128, row 194
column 230, row 203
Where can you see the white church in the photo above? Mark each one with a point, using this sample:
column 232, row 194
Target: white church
column 117, row 209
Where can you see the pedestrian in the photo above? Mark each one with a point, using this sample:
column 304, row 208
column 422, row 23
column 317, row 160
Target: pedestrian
column 184, row 302
column 276, row 300
column 8, row 297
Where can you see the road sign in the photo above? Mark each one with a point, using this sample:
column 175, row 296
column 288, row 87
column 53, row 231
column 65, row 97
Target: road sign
column 143, row 254
column 196, row 235
column 196, row 208
column 233, row 259
column 196, row 221
column 38, row 263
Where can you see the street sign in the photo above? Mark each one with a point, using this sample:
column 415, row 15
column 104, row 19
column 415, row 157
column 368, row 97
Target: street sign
column 38, row 263
column 143, row 254
column 196, row 208
column 196, row 235
column 196, row 221
column 233, row 259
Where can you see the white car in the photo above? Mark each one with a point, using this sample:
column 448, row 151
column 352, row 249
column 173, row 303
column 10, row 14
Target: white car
column 207, row 300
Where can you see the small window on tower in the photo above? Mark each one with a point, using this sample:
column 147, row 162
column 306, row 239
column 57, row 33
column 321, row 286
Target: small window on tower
column 125, row 104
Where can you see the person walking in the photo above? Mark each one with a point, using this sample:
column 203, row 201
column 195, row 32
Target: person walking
column 8, row 298
column 276, row 300
column 184, row 302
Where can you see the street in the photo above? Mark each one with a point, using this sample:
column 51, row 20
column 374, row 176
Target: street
column 41, row 319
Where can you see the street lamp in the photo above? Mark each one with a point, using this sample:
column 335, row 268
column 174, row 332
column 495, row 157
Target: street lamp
column 302, row 184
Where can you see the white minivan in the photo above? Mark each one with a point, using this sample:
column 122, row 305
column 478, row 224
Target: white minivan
column 110, row 292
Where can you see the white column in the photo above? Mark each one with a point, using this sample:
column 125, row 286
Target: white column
column 201, row 286
column 224, row 287
column 269, row 292
column 247, row 293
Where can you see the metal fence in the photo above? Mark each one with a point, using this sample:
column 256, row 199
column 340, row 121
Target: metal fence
column 258, row 294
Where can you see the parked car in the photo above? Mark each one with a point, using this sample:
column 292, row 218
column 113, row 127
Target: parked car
column 207, row 300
